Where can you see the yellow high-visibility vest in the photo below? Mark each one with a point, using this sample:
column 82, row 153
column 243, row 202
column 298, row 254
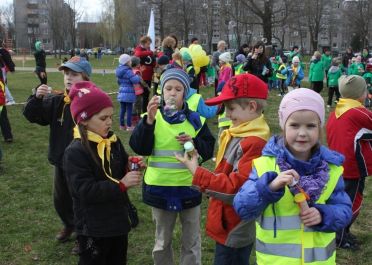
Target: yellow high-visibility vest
column 163, row 169
column 294, row 243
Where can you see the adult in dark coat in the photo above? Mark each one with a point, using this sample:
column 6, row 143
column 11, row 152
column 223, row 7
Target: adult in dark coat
column 258, row 64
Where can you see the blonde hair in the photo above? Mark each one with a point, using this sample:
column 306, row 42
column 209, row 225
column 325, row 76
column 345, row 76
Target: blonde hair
column 176, row 56
column 317, row 54
column 169, row 42
column 220, row 43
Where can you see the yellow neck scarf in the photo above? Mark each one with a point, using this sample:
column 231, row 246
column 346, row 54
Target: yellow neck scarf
column 102, row 144
column 345, row 104
column 67, row 101
column 257, row 127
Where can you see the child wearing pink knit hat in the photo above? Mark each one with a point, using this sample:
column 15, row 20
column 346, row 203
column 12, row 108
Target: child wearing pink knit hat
column 96, row 166
column 296, row 191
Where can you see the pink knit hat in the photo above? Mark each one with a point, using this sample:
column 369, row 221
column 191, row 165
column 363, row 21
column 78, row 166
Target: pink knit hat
column 301, row 99
column 86, row 100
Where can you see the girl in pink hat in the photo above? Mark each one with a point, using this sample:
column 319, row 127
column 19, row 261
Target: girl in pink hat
column 296, row 191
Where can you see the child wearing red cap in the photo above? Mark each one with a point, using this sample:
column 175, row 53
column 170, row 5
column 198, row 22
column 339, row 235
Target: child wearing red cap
column 96, row 166
column 244, row 97
column 47, row 108
column 295, row 191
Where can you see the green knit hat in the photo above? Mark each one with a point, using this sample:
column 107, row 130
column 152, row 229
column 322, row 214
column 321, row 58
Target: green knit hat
column 38, row 45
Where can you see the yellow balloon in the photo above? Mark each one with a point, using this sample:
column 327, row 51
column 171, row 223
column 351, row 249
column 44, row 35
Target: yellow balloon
column 197, row 69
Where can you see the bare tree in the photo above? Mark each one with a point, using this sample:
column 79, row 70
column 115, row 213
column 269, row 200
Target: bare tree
column 359, row 19
column 7, row 20
column 56, row 23
column 268, row 14
column 315, row 18
column 74, row 14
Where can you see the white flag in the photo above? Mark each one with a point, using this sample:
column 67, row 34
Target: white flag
column 151, row 30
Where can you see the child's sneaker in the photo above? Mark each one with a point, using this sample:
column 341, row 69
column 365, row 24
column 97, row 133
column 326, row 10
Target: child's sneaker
column 130, row 128
column 123, row 128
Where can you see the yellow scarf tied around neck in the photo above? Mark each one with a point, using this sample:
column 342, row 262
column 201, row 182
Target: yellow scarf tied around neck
column 257, row 127
column 67, row 101
column 102, row 145
column 345, row 104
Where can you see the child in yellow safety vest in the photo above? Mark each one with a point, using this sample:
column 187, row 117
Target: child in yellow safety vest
column 282, row 77
column 167, row 187
column 296, row 190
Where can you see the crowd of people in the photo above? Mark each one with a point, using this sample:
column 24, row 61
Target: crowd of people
column 288, row 197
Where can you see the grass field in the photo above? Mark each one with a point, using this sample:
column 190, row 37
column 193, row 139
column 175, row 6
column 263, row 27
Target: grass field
column 28, row 222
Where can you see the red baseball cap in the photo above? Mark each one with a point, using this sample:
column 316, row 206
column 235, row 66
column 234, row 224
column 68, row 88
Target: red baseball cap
column 241, row 86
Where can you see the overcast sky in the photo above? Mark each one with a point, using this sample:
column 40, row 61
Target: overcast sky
column 91, row 8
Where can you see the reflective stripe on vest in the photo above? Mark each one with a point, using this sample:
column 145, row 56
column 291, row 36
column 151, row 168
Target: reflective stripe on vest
column 295, row 251
column 282, row 237
column 167, row 165
column 279, row 74
column 163, row 168
column 193, row 102
column 282, row 223
column 239, row 70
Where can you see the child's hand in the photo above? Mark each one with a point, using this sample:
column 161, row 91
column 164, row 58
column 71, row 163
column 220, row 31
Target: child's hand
column 183, row 138
column 192, row 163
column 141, row 163
column 132, row 178
column 41, row 91
column 152, row 108
column 311, row 217
column 283, row 179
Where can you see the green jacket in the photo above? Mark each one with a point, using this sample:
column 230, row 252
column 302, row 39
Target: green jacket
column 327, row 61
column 275, row 67
column 355, row 69
column 368, row 77
column 334, row 73
column 316, row 72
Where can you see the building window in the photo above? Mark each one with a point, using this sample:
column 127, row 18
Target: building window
column 334, row 45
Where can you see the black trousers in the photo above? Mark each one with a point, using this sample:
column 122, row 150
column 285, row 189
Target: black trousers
column 317, row 86
column 62, row 198
column 43, row 80
column 6, row 130
column 103, row 250
column 146, row 96
column 331, row 91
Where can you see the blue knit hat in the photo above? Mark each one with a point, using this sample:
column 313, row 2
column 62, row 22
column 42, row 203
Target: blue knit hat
column 177, row 74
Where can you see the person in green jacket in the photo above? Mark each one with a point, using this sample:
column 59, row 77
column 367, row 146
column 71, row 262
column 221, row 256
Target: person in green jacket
column 368, row 77
column 357, row 67
column 273, row 80
column 327, row 61
column 334, row 73
column 316, row 73
column 295, row 52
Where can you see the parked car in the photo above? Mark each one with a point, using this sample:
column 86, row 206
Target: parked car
column 89, row 51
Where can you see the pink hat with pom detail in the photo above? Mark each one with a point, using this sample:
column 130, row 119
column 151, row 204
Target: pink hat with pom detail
column 301, row 99
column 86, row 100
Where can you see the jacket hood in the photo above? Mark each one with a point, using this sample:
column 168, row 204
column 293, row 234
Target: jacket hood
column 190, row 93
column 334, row 69
column 275, row 147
